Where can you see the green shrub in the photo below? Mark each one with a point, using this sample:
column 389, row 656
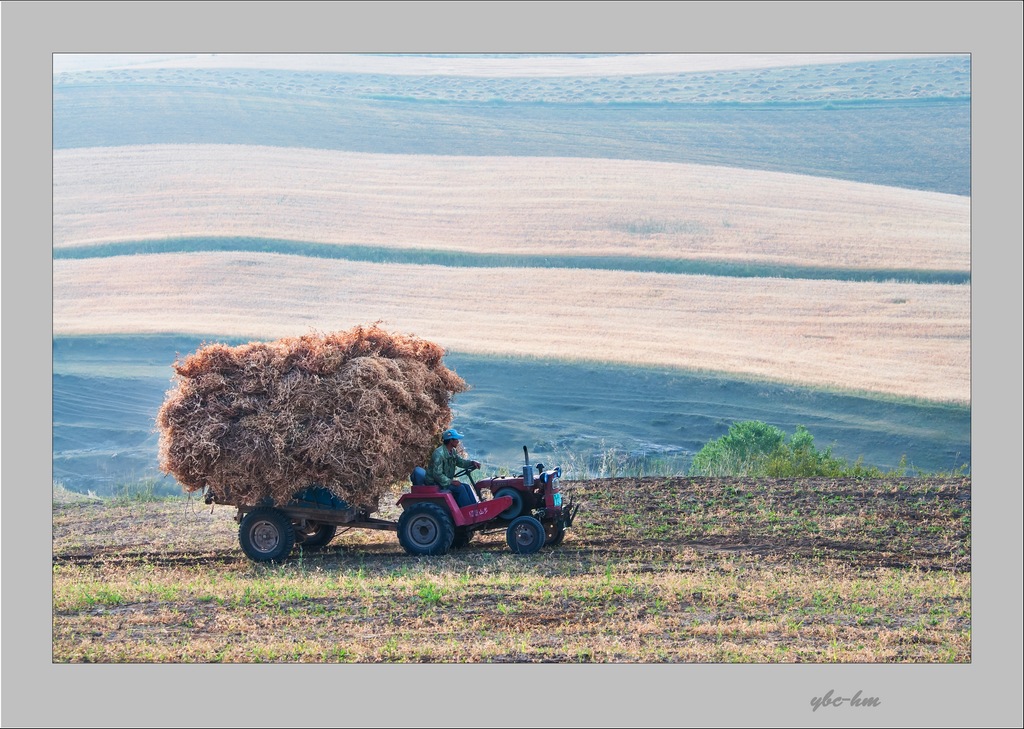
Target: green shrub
column 799, row 458
column 743, row 451
column 753, row 448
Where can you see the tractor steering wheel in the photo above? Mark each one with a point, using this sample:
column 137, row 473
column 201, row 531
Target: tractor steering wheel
column 468, row 473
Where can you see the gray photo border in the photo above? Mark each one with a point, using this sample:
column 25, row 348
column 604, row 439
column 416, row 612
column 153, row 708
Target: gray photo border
column 38, row 693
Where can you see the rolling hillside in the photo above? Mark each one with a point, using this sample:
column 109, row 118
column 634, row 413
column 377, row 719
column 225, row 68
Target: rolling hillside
column 797, row 233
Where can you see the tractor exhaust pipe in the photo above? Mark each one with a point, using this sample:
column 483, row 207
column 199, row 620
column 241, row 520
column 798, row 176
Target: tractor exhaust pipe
column 527, row 469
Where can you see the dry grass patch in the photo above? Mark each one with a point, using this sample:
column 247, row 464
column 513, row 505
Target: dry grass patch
column 659, row 595
column 696, row 617
column 902, row 339
column 508, row 205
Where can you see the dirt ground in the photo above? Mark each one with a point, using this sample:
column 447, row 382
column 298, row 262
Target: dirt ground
column 654, row 570
column 913, row 522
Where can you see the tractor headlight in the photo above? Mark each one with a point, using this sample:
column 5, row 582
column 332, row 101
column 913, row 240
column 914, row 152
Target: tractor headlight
column 557, row 498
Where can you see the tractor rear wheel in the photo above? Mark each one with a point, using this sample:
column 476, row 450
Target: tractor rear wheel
column 525, row 535
column 316, row 535
column 554, row 533
column 266, row 535
column 517, row 504
column 426, row 529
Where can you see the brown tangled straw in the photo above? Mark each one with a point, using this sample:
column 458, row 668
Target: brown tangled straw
column 352, row 411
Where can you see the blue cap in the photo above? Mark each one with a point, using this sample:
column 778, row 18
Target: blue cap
column 451, row 434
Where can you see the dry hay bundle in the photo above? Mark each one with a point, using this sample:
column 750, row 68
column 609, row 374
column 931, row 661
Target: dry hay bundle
column 352, row 411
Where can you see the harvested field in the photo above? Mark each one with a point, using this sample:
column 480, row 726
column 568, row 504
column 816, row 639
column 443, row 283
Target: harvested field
column 657, row 570
column 908, row 340
column 509, row 205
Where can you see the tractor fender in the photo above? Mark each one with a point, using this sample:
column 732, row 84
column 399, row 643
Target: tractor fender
column 461, row 516
column 485, row 510
column 432, row 494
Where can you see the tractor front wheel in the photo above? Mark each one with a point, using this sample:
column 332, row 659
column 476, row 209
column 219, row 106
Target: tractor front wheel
column 426, row 529
column 266, row 535
column 525, row 535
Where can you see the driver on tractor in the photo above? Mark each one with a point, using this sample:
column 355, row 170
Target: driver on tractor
column 444, row 462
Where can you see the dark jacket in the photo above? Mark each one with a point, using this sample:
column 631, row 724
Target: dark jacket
column 443, row 466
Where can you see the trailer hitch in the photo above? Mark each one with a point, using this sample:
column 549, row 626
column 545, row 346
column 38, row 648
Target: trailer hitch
column 569, row 512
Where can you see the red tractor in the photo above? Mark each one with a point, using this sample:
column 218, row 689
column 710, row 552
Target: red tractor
column 530, row 508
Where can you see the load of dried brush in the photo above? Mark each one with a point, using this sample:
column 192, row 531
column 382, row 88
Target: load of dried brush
column 352, row 411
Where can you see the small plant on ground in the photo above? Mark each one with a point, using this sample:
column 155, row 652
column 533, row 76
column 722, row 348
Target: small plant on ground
column 64, row 495
column 145, row 490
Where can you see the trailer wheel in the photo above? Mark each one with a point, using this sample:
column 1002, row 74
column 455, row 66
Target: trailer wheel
column 266, row 535
column 517, row 504
column 462, row 538
column 525, row 535
column 426, row 529
column 317, row 536
column 554, row 533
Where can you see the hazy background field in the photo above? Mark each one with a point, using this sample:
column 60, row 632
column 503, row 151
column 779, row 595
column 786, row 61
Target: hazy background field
column 609, row 232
